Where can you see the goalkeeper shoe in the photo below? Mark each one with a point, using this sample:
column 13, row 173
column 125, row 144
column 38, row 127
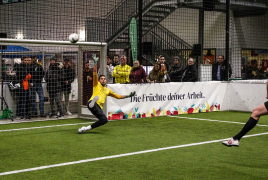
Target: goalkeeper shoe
column 52, row 115
column 93, row 101
column 231, row 142
column 60, row 116
column 82, row 130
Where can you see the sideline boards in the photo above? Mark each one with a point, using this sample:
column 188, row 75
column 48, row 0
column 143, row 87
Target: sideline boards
column 133, row 39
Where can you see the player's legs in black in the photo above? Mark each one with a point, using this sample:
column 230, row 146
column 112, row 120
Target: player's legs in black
column 253, row 120
column 97, row 111
column 52, row 105
column 28, row 106
column 251, row 123
column 21, row 103
column 57, row 99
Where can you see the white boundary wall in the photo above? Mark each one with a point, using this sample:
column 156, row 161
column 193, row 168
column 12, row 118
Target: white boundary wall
column 213, row 96
column 237, row 96
column 245, row 95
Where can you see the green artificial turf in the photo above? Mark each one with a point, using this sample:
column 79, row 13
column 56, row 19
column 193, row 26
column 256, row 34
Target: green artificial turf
column 30, row 148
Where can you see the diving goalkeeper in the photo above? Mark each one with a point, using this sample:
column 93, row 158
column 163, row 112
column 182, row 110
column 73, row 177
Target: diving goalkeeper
column 100, row 93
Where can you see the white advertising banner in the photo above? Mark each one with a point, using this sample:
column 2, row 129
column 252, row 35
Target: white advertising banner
column 165, row 99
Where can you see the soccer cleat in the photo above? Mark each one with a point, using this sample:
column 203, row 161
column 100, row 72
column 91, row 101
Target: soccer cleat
column 82, row 130
column 93, row 101
column 43, row 115
column 52, row 115
column 61, row 115
column 34, row 115
column 68, row 113
column 231, row 142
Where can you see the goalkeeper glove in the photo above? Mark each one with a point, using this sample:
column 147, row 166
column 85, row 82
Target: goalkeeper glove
column 131, row 94
column 95, row 59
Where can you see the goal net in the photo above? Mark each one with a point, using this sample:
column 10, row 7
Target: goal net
column 48, row 79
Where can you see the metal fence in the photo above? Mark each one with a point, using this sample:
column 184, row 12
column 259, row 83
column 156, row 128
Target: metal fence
column 183, row 28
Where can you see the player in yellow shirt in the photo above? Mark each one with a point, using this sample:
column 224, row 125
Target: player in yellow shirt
column 100, row 93
column 121, row 72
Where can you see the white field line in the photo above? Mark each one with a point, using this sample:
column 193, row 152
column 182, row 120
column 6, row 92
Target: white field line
column 199, row 119
column 113, row 120
column 15, row 121
column 117, row 156
column 40, row 127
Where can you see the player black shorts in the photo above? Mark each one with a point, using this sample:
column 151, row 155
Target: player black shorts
column 97, row 111
column 266, row 105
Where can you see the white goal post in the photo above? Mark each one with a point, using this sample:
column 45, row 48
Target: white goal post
column 46, row 49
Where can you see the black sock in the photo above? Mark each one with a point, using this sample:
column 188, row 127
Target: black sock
column 248, row 126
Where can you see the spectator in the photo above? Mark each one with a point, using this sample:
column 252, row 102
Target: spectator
column 261, row 72
column 87, row 84
column 122, row 71
column 166, row 76
column 53, row 78
column 256, row 72
column 189, row 72
column 37, row 78
column 116, row 60
column 219, row 70
column 248, row 71
column 109, row 70
column 4, row 69
column 68, row 78
column 137, row 73
column 163, row 61
column 24, row 75
column 265, row 65
column 157, row 74
column 176, row 70
column 17, row 82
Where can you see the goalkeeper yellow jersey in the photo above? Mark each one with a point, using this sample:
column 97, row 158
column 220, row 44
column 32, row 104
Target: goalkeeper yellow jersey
column 121, row 73
column 102, row 92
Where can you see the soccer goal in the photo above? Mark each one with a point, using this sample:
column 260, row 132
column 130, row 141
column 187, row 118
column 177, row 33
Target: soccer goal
column 60, row 77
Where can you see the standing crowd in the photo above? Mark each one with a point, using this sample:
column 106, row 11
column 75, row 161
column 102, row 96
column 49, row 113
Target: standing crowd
column 29, row 77
column 58, row 77
column 118, row 71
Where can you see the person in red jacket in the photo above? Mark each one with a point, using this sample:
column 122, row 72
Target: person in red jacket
column 137, row 73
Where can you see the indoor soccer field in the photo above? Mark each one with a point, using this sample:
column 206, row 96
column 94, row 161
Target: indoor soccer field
column 168, row 147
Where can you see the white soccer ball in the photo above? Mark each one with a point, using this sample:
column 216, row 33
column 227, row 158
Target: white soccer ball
column 73, row 38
